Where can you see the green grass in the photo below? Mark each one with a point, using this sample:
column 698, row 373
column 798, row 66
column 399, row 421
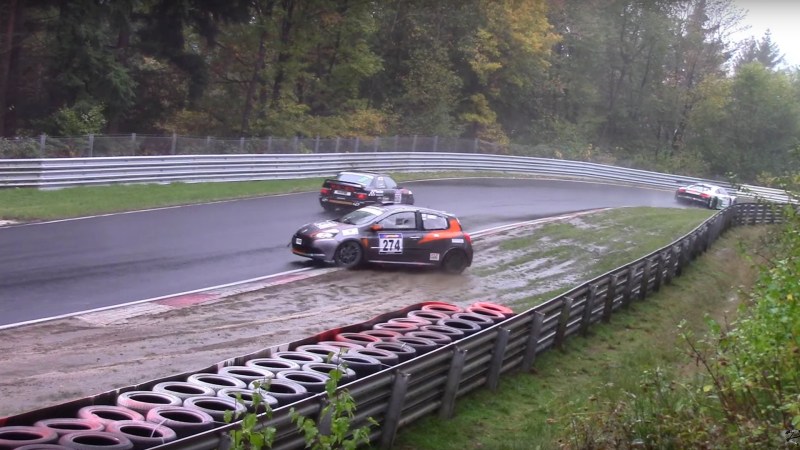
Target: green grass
column 533, row 410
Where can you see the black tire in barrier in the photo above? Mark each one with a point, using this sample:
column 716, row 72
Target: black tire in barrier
column 466, row 326
column 399, row 327
column 183, row 389
column 403, row 351
column 341, row 344
column 479, row 319
column 348, row 374
column 143, row 434
column 183, row 421
column 106, row 414
column 65, row 425
column 93, row 440
column 313, row 381
column 383, row 335
column 438, row 338
column 215, row 407
column 362, row 364
column 416, row 321
column 421, row 345
column 298, row 357
column 454, row 333
column 143, row 401
column 246, row 373
column 431, row 316
column 286, row 391
column 274, row 365
column 326, row 351
column 215, row 381
column 16, row 436
column 247, row 398
column 385, row 357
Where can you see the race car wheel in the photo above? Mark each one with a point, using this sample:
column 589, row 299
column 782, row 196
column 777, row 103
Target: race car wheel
column 328, row 207
column 712, row 203
column 349, row 255
column 455, row 262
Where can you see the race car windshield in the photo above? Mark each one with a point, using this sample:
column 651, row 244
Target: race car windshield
column 359, row 178
column 361, row 216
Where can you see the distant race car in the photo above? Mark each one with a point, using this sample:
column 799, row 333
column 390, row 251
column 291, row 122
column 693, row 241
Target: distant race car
column 392, row 234
column 357, row 189
column 708, row 195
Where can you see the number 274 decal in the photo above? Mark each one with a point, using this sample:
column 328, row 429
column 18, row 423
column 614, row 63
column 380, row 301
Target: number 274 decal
column 390, row 243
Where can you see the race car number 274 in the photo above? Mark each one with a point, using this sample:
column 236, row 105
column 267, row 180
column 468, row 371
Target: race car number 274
column 390, row 243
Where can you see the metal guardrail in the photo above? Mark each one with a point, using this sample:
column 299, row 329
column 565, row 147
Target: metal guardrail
column 53, row 173
column 432, row 383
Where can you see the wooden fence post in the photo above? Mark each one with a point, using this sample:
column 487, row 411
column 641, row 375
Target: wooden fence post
column 645, row 282
column 391, row 420
column 448, row 406
column 563, row 320
column 498, row 353
column 611, row 294
column 533, row 341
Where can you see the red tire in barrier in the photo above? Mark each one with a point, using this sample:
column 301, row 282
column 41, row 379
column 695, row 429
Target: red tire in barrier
column 443, row 307
column 247, row 374
column 327, row 352
column 286, row 391
column 454, row 333
column 106, row 414
column 438, row 338
column 383, row 335
column 348, row 374
column 313, row 381
column 91, row 440
column 421, row 345
column 183, row 389
column 65, row 425
column 341, row 344
column 182, row 420
column 247, row 397
column 399, row 327
column 432, row 316
column 356, row 338
column 466, row 326
column 298, row 357
column 403, row 351
column 143, row 401
column 418, row 321
column 490, row 313
column 479, row 319
column 385, row 357
column 215, row 407
column 215, row 381
column 504, row 310
column 143, row 434
column 16, row 436
column 274, row 365
column 362, row 364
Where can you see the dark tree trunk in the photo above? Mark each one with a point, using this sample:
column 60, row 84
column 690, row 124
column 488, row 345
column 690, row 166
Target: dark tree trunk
column 5, row 66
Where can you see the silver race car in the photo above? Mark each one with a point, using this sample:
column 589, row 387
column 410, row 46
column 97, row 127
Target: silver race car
column 708, row 195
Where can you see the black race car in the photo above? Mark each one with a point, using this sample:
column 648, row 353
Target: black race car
column 392, row 234
column 357, row 189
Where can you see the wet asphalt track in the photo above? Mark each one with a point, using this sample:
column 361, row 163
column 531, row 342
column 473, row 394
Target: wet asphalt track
column 64, row 267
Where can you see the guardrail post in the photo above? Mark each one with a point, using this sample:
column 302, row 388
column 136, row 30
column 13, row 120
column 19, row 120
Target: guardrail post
column 133, row 144
column 316, row 144
column 588, row 306
column 533, row 341
column 498, row 353
column 241, row 145
column 645, row 281
column 391, row 419
column 396, row 142
column 295, row 144
column 435, row 143
column 42, row 142
column 475, row 146
column 674, row 266
column 356, row 144
column 91, row 144
column 174, row 143
column 375, row 144
column 338, row 141
column 451, row 385
column 626, row 293
column 563, row 320
column 414, row 144
column 659, row 272
column 611, row 294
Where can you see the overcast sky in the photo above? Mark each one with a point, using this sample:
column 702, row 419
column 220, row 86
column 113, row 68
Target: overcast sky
column 781, row 17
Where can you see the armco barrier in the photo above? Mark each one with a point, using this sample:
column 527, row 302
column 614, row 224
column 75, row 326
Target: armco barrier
column 431, row 383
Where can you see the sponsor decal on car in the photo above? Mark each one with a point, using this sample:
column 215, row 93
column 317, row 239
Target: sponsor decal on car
column 398, row 197
column 323, row 225
column 390, row 243
column 434, row 256
column 376, row 192
column 457, row 240
column 349, row 231
column 345, row 193
column 298, row 241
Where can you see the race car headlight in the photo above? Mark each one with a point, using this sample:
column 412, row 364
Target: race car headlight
column 323, row 235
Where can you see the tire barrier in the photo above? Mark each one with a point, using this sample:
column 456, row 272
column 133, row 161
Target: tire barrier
column 505, row 311
column 168, row 411
column 43, row 447
column 65, row 425
column 143, row 434
column 493, row 315
column 92, row 440
column 183, row 389
column 16, row 436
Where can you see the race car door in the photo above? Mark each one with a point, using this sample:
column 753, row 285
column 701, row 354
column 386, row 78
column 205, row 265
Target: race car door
column 397, row 240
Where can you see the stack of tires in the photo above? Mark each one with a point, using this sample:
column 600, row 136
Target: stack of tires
column 171, row 410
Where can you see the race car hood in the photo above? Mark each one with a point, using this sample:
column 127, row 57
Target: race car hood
column 329, row 226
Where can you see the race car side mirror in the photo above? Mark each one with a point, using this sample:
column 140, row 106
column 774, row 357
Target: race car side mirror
column 376, row 227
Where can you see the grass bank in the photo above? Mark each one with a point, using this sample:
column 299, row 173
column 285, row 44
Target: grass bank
column 534, row 410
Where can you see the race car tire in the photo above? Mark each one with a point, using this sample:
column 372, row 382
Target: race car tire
column 216, row 407
column 349, row 255
column 143, row 401
column 15, row 436
column 183, row 389
column 143, row 434
column 313, row 381
column 274, row 365
column 454, row 262
column 183, row 421
column 215, row 381
column 66, row 425
column 328, row 207
column 106, row 414
column 86, row 440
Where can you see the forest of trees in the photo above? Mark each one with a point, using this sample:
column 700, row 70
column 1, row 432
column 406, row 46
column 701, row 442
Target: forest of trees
column 650, row 83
